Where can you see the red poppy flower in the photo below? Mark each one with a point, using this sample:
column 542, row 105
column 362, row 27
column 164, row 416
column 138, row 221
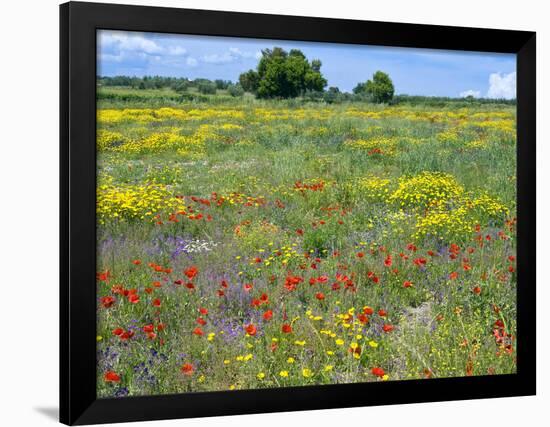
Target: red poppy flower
column 382, row 313
column 156, row 302
column 198, row 331
column 187, row 369
column 151, row 335
column 203, row 310
column 136, row 262
column 420, row 261
column 178, row 282
column 107, row 301
column 148, row 328
column 126, row 335
column 148, row 290
column 161, row 327
column 368, row 310
column 300, row 232
column 268, row 315
column 379, row 372
column 476, row 290
column 191, row 272
column 407, row 284
column 157, row 284
column 201, row 321
column 264, row 298
column 320, row 296
column 411, row 247
column 103, row 276
column 111, row 377
column 453, row 275
column 133, row 298
column 248, row 287
column 387, row 328
column 388, row 261
column 118, row 331
column 250, row 330
column 363, row 318
column 190, row 285
column 360, row 254
column 286, row 328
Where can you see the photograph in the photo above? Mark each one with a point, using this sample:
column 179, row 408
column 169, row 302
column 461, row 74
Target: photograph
column 284, row 213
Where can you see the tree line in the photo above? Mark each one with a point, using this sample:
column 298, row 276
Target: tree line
column 282, row 75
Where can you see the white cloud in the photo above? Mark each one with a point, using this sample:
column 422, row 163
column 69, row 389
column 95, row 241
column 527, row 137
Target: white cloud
column 127, row 42
column 470, row 92
column 192, row 62
column 232, row 55
column 502, row 85
column 177, row 51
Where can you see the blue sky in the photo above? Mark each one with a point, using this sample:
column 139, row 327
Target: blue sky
column 413, row 71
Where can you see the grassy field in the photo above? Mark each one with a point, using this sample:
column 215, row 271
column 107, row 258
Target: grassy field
column 249, row 244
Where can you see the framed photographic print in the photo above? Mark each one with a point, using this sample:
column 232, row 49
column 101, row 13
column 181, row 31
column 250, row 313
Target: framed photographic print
column 274, row 213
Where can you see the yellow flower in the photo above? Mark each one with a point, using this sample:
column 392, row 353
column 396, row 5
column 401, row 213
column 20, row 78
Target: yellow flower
column 283, row 374
column 226, row 362
column 232, row 387
column 290, row 360
column 373, row 344
column 98, row 338
column 328, row 368
column 307, row 373
column 339, row 341
column 300, row 343
column 260, row 376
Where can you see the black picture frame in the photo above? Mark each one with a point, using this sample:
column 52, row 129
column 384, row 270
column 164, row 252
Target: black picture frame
column 78, row 25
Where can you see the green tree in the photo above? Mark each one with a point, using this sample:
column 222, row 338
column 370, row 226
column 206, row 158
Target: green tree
column 380, row 89
column 282, row 74
column 207, row 87
column 249, row 81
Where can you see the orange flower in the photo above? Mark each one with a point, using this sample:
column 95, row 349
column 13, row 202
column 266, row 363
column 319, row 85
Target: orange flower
column 133, row 298
column 286, row 328
column 111, row 377
column 251, row 330
column 187, row 369
column 191, row 272
column 268, row 315
column 387, row 328
column 379, row 372
column 107, row 301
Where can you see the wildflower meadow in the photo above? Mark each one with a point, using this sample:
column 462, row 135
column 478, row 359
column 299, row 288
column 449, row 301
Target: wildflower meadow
column 246, row 243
